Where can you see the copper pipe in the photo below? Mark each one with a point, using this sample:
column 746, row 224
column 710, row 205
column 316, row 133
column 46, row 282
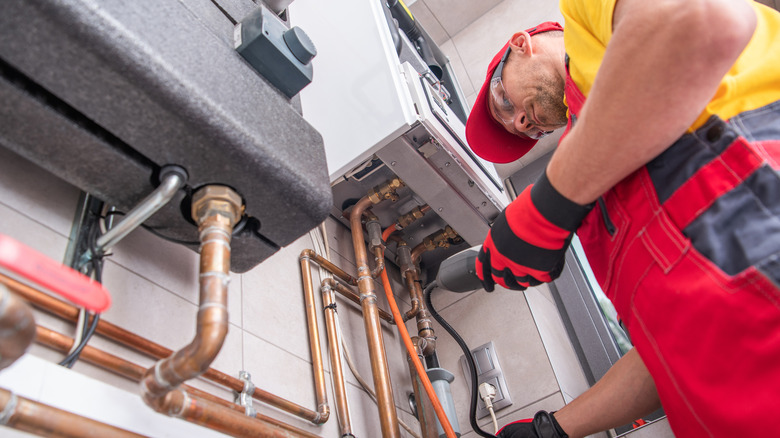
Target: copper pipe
column 17, row 327
column 425, row 411
column 423, row 316
column 442, row 416
column 384, row 391
column 416, row 299
column 407, row 265
column 142, row 345
column 330, row 267
column 205, row 413
column 352, row 296
column 379, row 262
column 323, row 409
column 339, row 386
column 216, row 209
column 409, row 261
column 340, row 273
column 418, row 251
column 40, row 419
column 439, row 239
column 135, row 372
column 375, row 242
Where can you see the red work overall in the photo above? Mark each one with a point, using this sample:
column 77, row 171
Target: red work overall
column 688, row 250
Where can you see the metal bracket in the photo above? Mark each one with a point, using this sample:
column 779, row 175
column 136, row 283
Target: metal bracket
column 245, row 397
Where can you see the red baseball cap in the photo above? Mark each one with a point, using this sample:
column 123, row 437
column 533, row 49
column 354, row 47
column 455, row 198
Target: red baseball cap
column 486, row 137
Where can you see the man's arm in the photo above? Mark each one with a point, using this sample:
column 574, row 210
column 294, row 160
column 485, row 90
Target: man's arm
column 661, row 67
column 624, row 394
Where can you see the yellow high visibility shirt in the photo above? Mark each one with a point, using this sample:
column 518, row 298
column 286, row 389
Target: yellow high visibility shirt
column 752, row 82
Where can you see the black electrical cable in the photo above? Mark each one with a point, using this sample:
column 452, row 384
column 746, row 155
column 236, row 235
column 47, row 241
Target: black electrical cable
column 73, row 357
column 96, row 271
column 469, row 360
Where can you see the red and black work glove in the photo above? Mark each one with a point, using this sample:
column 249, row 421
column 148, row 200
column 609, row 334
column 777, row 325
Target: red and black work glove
column 527, row 243
column 543, row 425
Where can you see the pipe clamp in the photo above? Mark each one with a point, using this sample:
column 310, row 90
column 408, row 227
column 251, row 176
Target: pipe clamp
column 10, row 409
column 245, row 397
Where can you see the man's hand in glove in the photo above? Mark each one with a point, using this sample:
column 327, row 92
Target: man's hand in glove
column 543, row 425
column 527, row 243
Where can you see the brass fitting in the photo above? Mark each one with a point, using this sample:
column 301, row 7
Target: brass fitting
column 385, row 190
column 405, row 220
column 217, row 200
column 440, row 238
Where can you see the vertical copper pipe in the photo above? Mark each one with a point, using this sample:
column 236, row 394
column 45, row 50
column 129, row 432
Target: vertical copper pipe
column 135, row 372
column 314, row 342
column 40, row 419
column 17, row 327
column 423, row 316
column 407, row 265
column 384, row 392
column 216, row 210
column 145, row 346
column 339, row 386
column 425, row 412
column 416, row 299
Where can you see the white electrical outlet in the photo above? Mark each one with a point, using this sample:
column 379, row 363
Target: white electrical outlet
column 488, row 371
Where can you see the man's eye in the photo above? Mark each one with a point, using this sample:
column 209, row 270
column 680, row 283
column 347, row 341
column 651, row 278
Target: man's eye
column 506, row 104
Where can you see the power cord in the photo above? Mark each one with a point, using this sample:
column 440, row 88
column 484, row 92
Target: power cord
column 487, row 393
column 469, row 359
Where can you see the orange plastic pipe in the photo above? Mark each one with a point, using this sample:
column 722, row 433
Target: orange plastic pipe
column 445, row 422
column 388, row 231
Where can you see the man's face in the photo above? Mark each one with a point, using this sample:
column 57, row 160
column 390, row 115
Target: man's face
column 527, row 99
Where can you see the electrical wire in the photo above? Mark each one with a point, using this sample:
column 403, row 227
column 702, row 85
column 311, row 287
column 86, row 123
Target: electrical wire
column 94, row 270
column 71, row 358
column 493, row 417
column 469, row 359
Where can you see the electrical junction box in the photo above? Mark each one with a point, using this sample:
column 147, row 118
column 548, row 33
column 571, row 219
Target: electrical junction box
column 280, row 54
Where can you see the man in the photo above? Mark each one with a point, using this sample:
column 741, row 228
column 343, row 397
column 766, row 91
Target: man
column 668, row 172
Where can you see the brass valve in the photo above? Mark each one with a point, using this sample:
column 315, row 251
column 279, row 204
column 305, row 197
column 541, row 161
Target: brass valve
column 386, row 190
column 440, row 239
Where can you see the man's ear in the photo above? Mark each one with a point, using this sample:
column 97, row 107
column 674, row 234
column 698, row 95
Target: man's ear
column 521, row 44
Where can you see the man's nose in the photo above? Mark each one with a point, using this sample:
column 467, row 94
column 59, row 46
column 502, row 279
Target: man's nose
column 521, row 122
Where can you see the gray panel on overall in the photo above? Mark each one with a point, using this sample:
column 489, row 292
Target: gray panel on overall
column 161, row 79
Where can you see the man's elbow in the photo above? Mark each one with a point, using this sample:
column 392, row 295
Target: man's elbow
column 720, row 28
